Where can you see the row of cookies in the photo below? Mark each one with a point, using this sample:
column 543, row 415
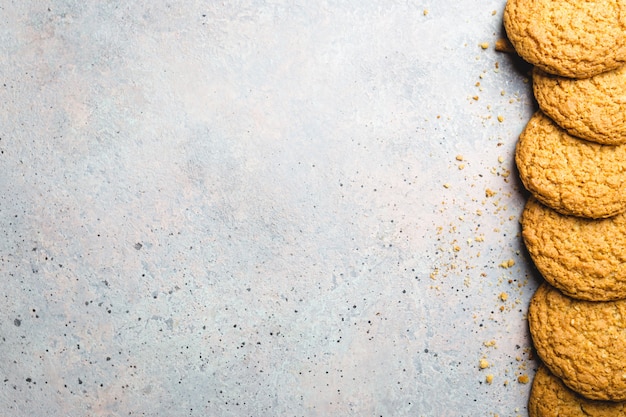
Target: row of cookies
column 571, row 157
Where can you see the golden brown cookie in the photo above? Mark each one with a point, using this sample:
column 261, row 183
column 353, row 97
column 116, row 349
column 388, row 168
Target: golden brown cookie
column 591, row 108
column 584, row 258
column 571, row 38
column 571, row 175
column 549, row 397
column 581, row 342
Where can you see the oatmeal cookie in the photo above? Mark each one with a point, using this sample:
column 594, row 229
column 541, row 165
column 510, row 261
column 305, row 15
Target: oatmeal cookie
column 549, row 397
column 582, row 342
column 591, row 108
column 571, row 175
column 571, row 38
column 584, row 258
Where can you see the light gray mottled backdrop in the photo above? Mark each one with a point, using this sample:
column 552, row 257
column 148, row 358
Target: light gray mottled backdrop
column 261, row 208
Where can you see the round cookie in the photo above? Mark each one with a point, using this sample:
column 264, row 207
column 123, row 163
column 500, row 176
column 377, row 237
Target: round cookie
column 571, row 38
column 591, row 108
column 581, row 342
column 584, row 258
column 549, row 397
column 571, row 175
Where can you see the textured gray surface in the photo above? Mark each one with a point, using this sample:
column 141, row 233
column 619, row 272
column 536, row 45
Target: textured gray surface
column 259, row 208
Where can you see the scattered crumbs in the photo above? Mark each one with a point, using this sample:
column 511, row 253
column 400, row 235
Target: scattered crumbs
column 490, row 193
column 460, row 158
column 504, row 296
column 500, row 159
column 489, row 378
column 483, row 364
column 484, row 45
column 503, row 45
column 523, row 379
column 507, row 264
column 493, row 13
column 480, row 238
column 501, row 119
column 425, row 12
column 475, row 98
column 446, row 185
column 489, row 343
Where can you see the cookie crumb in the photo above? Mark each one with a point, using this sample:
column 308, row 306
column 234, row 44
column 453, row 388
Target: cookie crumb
column 490, row 193
column 504, row 296
column 489, row 343
column 483, row 364
column 523, row 379
column 489, row 379
column 503, row 45
column 484, row 45
column 507, row 264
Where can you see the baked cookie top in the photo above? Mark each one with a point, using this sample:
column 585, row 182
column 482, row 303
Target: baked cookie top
column 549, row 397
column 581, row 342
column 571, row 38
column 584, row 258
column 571, row 175
column 591, row 108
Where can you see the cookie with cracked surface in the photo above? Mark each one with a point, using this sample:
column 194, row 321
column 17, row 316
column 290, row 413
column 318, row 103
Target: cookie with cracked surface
column 581, row 342
column 571, row 38
column 549, row 397
column 591, row 108
column 571, row 175
column 584, row 258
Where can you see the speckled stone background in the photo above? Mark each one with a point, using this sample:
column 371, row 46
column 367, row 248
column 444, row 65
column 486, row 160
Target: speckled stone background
column 261, row 208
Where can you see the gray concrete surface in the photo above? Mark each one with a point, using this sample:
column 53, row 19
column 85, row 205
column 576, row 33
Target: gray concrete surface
column 260, row 208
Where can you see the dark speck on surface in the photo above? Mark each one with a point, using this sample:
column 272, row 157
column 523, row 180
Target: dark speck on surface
column 17, row 322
